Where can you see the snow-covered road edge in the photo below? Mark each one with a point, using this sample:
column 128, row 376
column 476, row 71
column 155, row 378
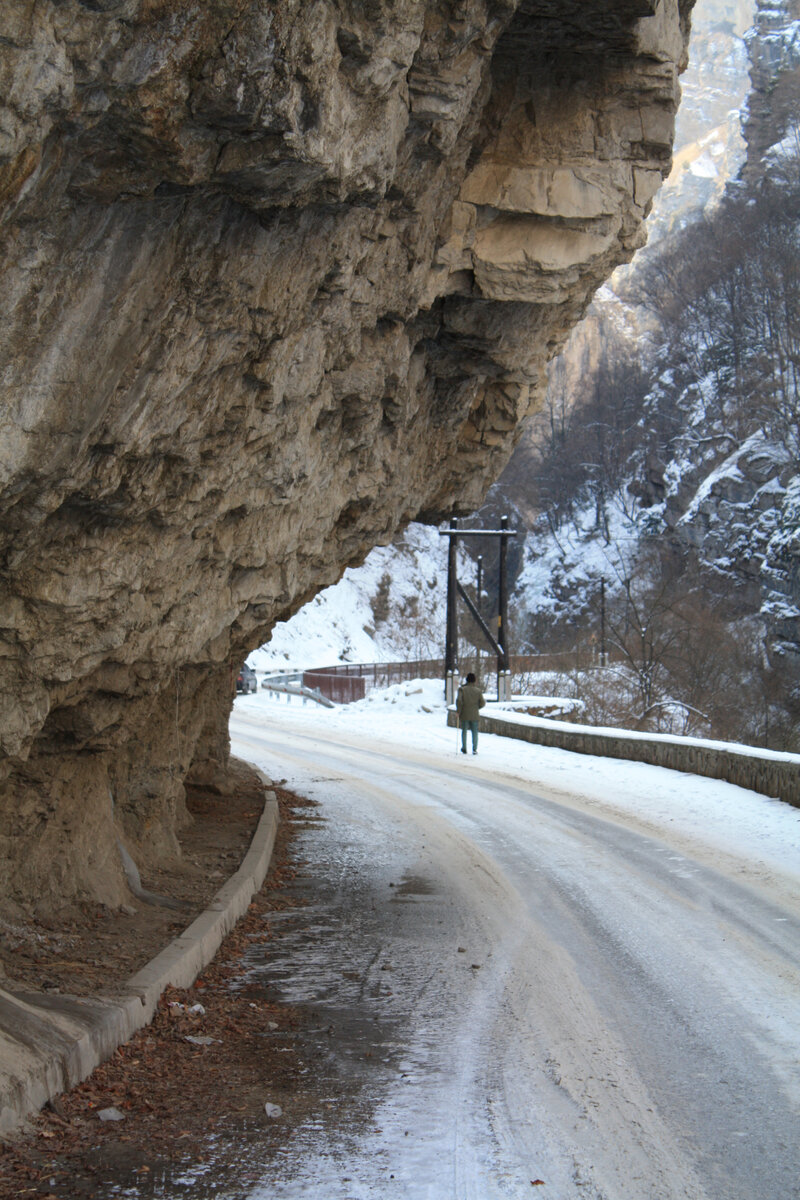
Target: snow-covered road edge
column 772, row 773
column 709, row 819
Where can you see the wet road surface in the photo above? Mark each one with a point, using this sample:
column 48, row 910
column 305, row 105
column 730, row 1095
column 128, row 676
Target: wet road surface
column 510, row 989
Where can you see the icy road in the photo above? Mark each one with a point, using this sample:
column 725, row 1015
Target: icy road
column 531, row 990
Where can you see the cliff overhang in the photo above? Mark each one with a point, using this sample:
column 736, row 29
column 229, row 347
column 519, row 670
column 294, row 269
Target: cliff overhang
column 277, row 278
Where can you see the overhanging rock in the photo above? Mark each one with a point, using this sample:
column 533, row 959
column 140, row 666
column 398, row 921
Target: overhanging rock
column 277, row 279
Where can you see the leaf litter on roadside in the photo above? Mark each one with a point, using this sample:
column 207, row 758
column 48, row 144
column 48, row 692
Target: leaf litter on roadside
column 197, row 1070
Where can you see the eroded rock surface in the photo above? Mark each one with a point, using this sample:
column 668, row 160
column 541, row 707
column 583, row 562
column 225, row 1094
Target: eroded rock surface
column 277, row 278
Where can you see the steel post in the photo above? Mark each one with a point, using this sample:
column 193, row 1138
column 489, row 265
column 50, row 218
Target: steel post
column 451, row 634
column 502, row 604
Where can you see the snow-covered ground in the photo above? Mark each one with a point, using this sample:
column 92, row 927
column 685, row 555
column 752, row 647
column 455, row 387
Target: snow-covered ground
column 528, row 968
column 392, row 608
column 762, row 834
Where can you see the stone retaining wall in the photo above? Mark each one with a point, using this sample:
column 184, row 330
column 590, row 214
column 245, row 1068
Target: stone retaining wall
column 776, row 776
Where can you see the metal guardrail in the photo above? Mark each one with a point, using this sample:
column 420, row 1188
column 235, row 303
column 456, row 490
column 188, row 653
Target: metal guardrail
column 284, row 686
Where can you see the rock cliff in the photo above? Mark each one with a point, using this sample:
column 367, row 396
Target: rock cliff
column 277, row 278
column 772, row 109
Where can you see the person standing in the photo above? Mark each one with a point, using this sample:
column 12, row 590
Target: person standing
column 469, row 702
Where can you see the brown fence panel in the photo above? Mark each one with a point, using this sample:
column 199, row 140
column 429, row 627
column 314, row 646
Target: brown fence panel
column 340, row 688
column 346, row 682
column 351, row 680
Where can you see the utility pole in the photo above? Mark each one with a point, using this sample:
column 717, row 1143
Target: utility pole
column 451, row 632
column 502, row 614
column 479, row 590
column 455, row 589
column 602, row 620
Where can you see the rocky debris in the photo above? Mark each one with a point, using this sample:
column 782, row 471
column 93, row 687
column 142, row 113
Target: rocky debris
column 277, row 279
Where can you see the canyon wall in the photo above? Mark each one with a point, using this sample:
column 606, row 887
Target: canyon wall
column 773, row 105
column 277, row 278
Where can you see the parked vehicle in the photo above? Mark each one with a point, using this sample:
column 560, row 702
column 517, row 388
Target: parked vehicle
column 246, row 680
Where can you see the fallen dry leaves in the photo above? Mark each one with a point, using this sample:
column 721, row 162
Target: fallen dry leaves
column 174, row 1094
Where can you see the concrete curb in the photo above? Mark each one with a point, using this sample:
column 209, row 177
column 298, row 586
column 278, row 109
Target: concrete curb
column 49, row 1043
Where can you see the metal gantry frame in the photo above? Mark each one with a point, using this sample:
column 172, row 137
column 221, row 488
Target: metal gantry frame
column 455, row 589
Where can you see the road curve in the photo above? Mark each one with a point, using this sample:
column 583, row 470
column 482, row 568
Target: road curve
column 520, row 992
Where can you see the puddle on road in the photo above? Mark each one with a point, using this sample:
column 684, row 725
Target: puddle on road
column 413, row 886
column 331, row 959
column 343, row 1054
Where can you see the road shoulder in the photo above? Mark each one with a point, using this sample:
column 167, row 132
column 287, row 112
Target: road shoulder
column 73, row 998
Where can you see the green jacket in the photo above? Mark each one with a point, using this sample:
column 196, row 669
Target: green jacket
column 468, row 701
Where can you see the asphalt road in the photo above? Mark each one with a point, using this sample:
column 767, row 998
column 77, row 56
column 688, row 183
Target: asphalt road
column 517, row 996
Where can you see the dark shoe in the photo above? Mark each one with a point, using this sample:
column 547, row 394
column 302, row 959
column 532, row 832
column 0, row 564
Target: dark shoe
column 463, row 751
column 474, row 751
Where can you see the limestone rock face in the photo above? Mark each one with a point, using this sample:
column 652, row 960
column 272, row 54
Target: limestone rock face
column 278, row 276
column 774, row 52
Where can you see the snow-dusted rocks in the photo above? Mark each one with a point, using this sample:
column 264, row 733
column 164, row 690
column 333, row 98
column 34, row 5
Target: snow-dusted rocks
column 774, row 48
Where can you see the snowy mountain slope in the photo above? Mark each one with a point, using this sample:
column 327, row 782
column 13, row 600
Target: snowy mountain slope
column 560, row 581
column 392, row 608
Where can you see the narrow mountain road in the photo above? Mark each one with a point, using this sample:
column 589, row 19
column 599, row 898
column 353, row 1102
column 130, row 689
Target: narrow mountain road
column 515, row 993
